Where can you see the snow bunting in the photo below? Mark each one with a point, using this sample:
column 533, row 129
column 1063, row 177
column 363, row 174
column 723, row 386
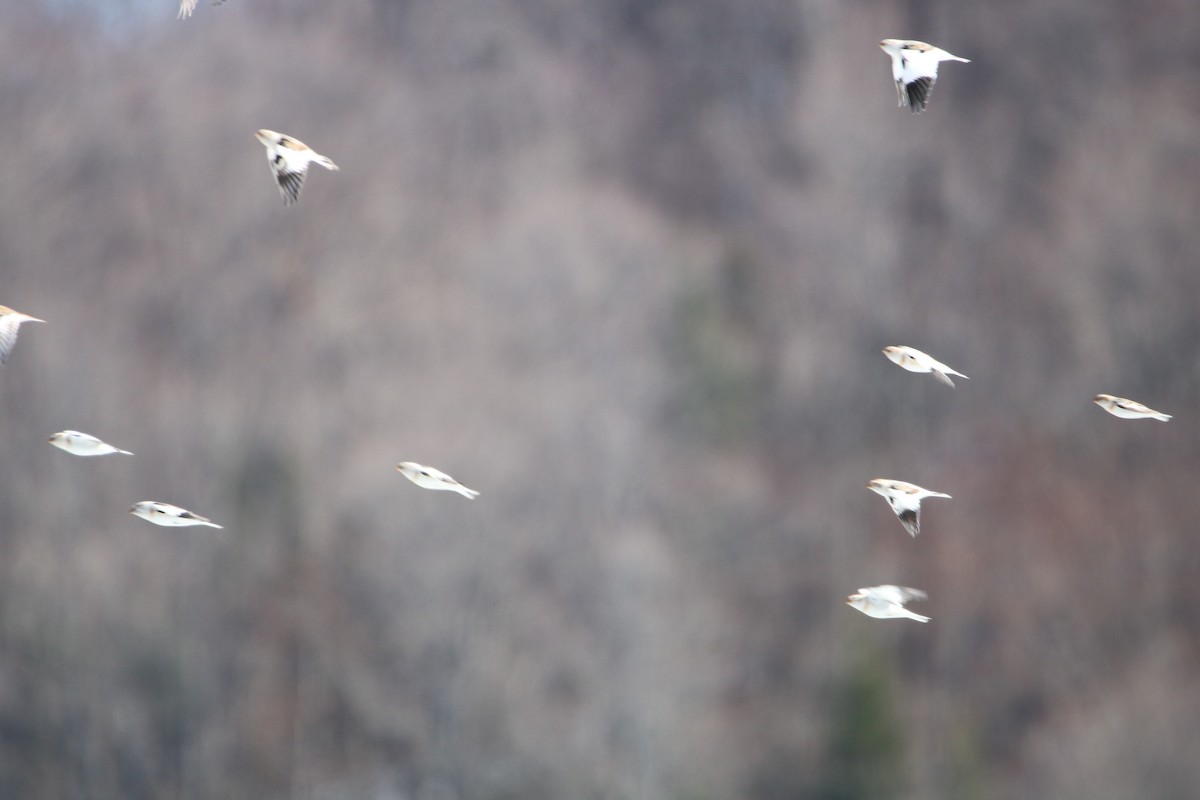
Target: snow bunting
column 886, row 602
column 914, row 68
column 168, row 515
column 289, row 159
column 1127, row 409
column 914, row 360
column 81, row 444
column 905, row 499
column 186, row 7
column 430, row 478
column 10, row 323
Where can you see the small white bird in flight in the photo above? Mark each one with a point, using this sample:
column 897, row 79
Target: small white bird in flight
column 430, row 478
column 289, row 159
column 1127, row 409
column 914, row 360
column 10, row 323
column 186, row 7
column 81, row 444
column 168, row 515
column 914, row 68
column 886, row 602
column 905, row 499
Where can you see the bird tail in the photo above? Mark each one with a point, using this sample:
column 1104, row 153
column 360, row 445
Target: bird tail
column 124, row 452
column 1160, row 416
column 326, row 162
column 470, row 494
column 915, row 616
column 212, row 525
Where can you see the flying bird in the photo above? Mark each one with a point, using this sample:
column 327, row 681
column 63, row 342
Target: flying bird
column 289, row 159
column 914, row 360
column 1127, row 409
column 186, row 7
column 168, row 515
column 430, row 478
column 905, row 499
column 886, row 602
column 81, row 444
column 10, row 323
column 914, row 68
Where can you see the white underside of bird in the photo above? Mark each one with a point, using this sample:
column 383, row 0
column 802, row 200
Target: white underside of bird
column 905, row 500
column 886, row 602
column 914, row 70
column 82, row 444
column 168, row 515
column 914, row 360
column 430, row 478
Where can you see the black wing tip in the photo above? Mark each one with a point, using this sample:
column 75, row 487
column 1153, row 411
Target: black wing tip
column 290, row 184
column 918, row 92
column 910, row 520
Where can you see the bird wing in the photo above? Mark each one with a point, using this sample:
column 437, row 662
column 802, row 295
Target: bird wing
column 910, row 518
column 918, row 72
column 909, row 512
column 9, row 325
column 186, row 7
column 917, row 92
column 895, row 594
column 942, row 376
column 290, row 181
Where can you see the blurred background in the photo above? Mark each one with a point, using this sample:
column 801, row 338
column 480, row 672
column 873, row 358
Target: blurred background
column 626, row 267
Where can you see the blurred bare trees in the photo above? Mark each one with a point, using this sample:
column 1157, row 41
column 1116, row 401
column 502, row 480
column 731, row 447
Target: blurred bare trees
column 626, row 268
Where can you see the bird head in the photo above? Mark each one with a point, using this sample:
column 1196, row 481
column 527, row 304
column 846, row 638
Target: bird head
column 891, row 46
column 267, row 136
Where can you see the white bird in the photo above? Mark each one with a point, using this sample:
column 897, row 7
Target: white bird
column 186, row 7
column 914, row 360
column 289, row 159
column 168, row 515
column 10, row 324
column 1127, row 409
column 430, row 478
column 914, row 68
column 81, row 444
column 905, row 499
column 886, row 602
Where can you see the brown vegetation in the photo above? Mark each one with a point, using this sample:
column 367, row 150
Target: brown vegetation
column 626, row 267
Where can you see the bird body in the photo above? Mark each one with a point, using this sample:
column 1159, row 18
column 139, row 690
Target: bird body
column 168, row 515
column 914, row 360
column 905, row 499
column 82, row 444
column 886, row 602
column 430, row 478
column 10, row 324
column 289, row 159
column 914, row 69
column 1127, row 409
